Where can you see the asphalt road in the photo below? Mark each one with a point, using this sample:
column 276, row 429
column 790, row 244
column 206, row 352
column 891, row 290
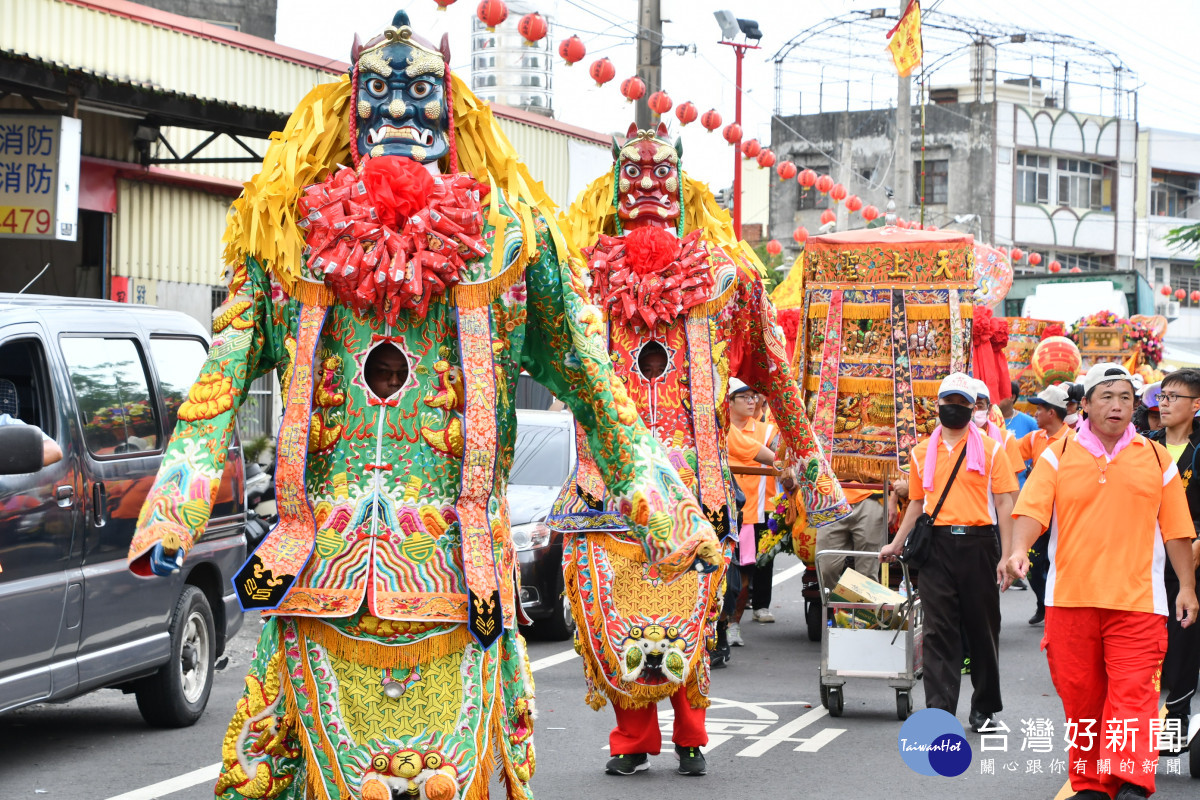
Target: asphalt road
column 769, row 734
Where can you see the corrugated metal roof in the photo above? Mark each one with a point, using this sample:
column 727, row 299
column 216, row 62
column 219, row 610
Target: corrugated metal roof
column 103, row 39
column 168, row 233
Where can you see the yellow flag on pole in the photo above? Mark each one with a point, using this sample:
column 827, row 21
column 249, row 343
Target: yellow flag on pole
column 905, row 40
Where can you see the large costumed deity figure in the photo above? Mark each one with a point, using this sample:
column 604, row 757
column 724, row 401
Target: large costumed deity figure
column 685, row 309
column 398, row 298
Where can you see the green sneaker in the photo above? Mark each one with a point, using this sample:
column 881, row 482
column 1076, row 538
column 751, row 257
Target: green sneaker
column 627, row 765
column 691, row 761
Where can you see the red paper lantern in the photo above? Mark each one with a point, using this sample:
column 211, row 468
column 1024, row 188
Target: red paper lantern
column 807, row 178
column 710, row 119
column 751, row 148
column 1166, row 291
column 686, row 112
column 786, row 170
column 827, row 216
column 732, row 133
column 1055, row 266
column 1180, row 294
column 838, row 193
column 602, row 71
column 441, row 4
column 800, row 235
column 902, row 223
column 633, row 89
column 1195, row 295
column 853, row 203
column 870, row 213
column 1035, row 259
column 824, row 184
column 775, row 248
column 1055, row 359
column 1016, row 254
column 1074, row 269
column 660, row 103
column 491, row 13
column 572, row 50
column 766, row 159
column 532, row 27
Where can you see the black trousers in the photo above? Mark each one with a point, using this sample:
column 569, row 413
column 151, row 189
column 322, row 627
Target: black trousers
column 764, row 576
column 960, row 596
column 1039, row 567
column 1181, row 665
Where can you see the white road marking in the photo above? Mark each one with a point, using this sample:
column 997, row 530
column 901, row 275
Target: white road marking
column 212, row 771
column 783, row 734
column 177, row 784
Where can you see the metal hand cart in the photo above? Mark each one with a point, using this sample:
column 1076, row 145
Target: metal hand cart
column 893, row 655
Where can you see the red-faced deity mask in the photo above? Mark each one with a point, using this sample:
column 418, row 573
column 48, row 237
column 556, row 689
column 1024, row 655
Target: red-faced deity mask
column 647, row 179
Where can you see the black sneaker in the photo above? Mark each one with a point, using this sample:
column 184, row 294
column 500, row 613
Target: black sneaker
column 1130, row 791
column 691, row 761
column 966, row 666
column 978, row 720
column 1089, row 794
column 1183, row 718
column 1039, row 616
column 718, row 659
column 627, row 765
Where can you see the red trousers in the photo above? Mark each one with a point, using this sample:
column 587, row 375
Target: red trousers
column 637, row 728
column 1102, row 663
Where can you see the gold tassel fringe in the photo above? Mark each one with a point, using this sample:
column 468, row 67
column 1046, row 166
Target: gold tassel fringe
column 475, row 295
column 864, row 468
column 312, row 294
column 938, row 311
column 373, row 654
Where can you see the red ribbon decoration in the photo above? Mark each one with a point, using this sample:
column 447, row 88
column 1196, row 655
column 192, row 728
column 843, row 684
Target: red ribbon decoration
column 644, row 292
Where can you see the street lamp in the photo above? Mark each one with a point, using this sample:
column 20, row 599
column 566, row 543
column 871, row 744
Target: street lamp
column 731, row 26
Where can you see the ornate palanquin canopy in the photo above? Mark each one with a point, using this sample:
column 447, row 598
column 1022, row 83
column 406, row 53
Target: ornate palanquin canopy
column 886, row 315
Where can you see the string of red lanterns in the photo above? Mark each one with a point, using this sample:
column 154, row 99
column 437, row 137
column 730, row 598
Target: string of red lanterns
column 533, row 28
column 786, row 170
column 686, row 112
column 711, row 120
column 602, row 71
column 660, row 102
column 633, row 89
column 571, row 49
column 491, row 13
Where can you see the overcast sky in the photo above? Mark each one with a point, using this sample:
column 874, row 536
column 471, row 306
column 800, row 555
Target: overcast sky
column 1155, row 38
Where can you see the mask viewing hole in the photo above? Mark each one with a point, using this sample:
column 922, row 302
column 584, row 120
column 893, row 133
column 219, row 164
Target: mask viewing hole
column 652, row 360
column 387, row 370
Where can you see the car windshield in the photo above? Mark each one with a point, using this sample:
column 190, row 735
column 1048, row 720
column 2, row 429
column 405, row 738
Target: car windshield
column 541, row 455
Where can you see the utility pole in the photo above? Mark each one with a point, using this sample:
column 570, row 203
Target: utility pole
column 649, row 51
column 903, row 189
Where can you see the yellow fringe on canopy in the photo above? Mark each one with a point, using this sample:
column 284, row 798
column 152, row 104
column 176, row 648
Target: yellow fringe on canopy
column 926, row 388
column 872, row 469
column 593, row 213
column 937, row 311
column 382, row 656
column 262, row 221
column 853, row 385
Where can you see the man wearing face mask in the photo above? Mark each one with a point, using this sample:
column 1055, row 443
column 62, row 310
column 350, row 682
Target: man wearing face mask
column 1003, row 436
column 1074, row 397
column 1051, row 416
column 959, row 582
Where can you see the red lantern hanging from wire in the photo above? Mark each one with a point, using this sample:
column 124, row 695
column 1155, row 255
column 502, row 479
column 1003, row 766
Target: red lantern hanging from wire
column 532, row 28
column 572, row 50
column 710, row 119
column 686, row 112
column 1055, row 266
column 1195, row 295
column 491, row 13
column 869, row 213
column 751, row 148
column 766, row 158
column 774, row 247
column 660, row 103
column 807, row 178
column 1166, row 291
column 441, row 4
column 1180, row 294
column 838, row 193
column 1016, row 254
column 786, row 170
column 824, row 184
column 732, row 133
column 853, row 203
column 1035, row 259
column 800, row 235
column 602, row 71
column 633, row 89
column 828, row 216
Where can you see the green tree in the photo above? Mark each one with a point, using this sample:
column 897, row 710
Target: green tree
column 1186, row 237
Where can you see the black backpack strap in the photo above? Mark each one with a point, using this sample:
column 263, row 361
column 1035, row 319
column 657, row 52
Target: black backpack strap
column 953, row 474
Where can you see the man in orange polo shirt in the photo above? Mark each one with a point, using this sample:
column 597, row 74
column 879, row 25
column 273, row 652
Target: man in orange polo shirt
column 1051, row 417
column 1116, row 511
column 960, row 581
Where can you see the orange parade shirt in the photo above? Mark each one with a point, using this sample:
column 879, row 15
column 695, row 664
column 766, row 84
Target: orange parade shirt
column 1033, row 443
column 970, row 501
column 743, row 445
column 1107, row 540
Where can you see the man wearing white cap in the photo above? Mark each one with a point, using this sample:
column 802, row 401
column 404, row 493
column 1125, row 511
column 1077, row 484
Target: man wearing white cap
column 1116, row 511
column 959, row 581
column 1051, row 418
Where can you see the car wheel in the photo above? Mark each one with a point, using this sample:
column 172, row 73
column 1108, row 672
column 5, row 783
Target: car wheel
column 177, row 694
column 560, row 625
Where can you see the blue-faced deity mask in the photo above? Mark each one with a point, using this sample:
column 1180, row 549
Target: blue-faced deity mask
column 400, row 103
